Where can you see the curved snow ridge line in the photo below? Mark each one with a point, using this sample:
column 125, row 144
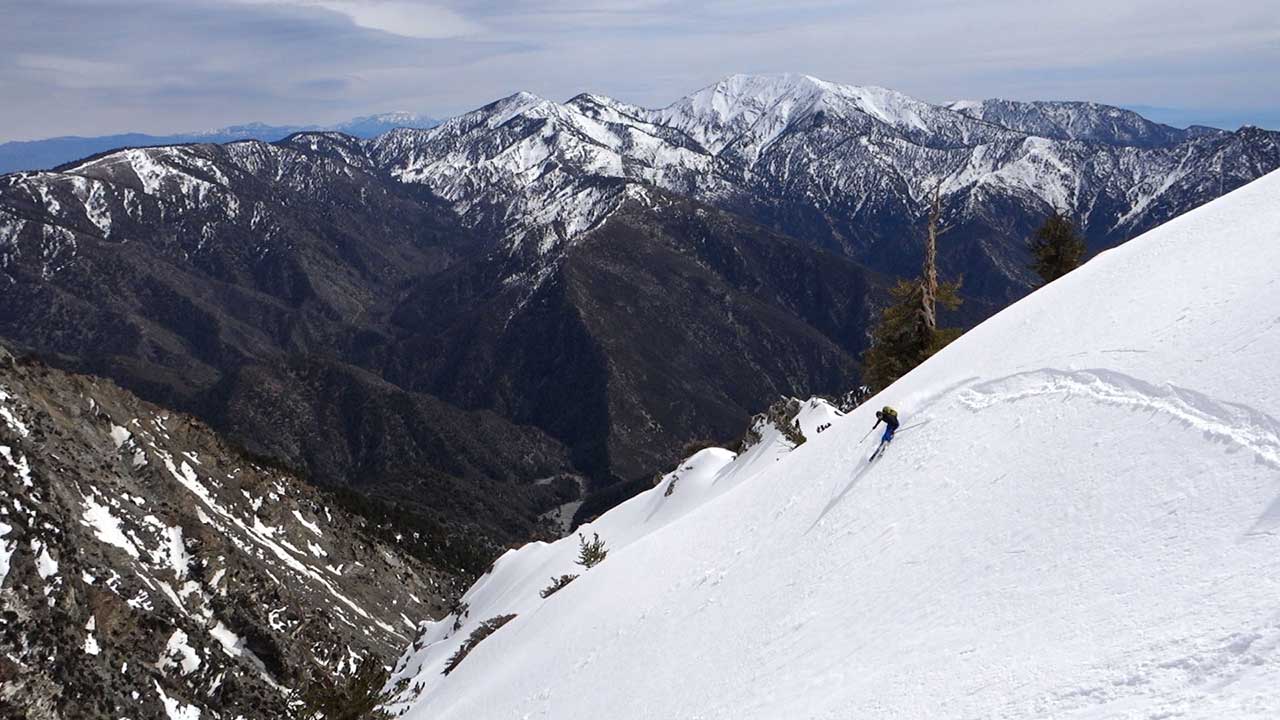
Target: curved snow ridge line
column 1238, row 424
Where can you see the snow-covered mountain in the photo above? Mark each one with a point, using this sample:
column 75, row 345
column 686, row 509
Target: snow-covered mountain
column 1088, row 121
column 1080, row 517
column 148, row 569
column 51, row 152
column 462, row 318
column 341, row 321
column 370, row 126
column 844, row 167
column 743, row 115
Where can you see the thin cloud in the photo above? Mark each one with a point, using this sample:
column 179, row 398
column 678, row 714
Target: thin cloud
column 100, row 66
column 396, row 17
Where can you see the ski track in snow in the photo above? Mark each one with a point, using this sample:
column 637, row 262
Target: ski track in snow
column 1233, row 423
column 1236, row 425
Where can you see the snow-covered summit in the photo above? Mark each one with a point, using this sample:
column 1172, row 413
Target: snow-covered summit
column 844, row 167
column 538, row 172
column 1080, row 518
column 402, row 117
column 718, row 114
column 1076, row 120
column 531, row 168
column 750, row 111
column 369, row 126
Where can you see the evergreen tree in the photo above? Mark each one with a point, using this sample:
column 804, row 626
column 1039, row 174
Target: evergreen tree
column 908, row 331
column 591, row 552
column 1056, row 247
column 357, row 699
column 902, row 340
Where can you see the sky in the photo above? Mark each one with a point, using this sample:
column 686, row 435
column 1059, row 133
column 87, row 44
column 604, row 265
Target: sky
column 95, row 67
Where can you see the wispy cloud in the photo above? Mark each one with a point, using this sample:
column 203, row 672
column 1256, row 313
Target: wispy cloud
column 395, row 17
column 96, row 66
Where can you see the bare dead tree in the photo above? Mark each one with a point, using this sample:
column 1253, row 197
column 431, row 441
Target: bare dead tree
column 929, row 275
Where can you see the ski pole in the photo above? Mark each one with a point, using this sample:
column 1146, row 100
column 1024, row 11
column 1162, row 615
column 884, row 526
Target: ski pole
column 864, row 437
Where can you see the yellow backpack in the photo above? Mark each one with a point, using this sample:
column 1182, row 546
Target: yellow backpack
column 890, row 412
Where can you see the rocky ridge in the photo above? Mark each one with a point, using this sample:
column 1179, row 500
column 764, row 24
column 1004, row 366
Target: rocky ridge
column 148, row 568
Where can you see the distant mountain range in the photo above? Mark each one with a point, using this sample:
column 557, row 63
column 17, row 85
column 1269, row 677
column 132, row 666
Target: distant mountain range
column 841, row 167
column 52, row 152
column 460, row 317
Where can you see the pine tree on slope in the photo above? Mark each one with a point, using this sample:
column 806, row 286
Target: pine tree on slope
column 1056, row 247
column 908, row 331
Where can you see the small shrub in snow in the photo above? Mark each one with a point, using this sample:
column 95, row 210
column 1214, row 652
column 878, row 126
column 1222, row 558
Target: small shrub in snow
column 459, row 611
column 591, row 554
column 487, row 628
column 556, row 584
column 782, row 415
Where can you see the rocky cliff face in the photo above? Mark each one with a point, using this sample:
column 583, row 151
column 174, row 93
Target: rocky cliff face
column 148, row 568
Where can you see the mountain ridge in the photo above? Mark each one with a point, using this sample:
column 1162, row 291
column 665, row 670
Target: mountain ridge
column 146, row 563
column 48, row 153
column 852, row 157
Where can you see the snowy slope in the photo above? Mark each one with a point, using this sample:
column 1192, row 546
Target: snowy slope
column 1080, row 518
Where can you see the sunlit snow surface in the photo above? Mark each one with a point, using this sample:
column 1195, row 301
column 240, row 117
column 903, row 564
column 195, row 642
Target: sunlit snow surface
column 1080, row 518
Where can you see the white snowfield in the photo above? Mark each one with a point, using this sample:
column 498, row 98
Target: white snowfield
column 1080, row 518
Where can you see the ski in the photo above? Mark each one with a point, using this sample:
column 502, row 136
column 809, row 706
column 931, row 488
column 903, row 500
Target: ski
column 878, row 452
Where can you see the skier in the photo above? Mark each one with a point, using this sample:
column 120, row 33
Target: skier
column 889, row 417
